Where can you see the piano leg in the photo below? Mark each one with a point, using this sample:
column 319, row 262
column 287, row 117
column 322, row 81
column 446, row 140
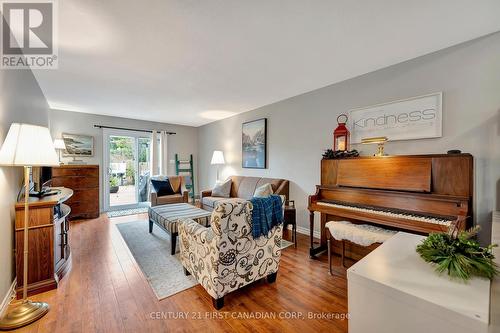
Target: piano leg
column 312, row 250
column 343, row 254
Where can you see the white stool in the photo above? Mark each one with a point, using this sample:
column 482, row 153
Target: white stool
column 360, row 234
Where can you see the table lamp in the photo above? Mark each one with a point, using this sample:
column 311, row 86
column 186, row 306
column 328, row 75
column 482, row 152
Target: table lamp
column 27, row 146
column 218, row 159
column 379, row 141
column 59, row 145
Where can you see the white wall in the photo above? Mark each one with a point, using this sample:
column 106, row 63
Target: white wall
column 185, row 142
column 21, row 100
column 300, row 128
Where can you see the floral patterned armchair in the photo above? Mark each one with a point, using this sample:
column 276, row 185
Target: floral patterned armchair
column 225, row 257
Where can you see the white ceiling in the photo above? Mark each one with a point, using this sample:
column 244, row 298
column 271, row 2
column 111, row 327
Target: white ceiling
column 191, row 62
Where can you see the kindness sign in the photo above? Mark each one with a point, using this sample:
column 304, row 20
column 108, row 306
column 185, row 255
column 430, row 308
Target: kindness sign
column 414, row 118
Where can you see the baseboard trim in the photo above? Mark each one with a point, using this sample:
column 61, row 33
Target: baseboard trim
column 305, row 231
column 8, row 297
column 38, row 287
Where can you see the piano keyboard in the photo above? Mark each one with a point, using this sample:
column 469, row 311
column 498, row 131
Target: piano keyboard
column 388, row 213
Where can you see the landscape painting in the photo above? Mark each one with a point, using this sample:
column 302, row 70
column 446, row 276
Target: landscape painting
column 78, row 145
column 254, row 137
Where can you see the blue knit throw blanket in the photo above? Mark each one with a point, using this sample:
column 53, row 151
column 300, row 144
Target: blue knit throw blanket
column 266, row 214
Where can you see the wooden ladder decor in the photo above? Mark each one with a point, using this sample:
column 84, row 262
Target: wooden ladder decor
column 186, row 168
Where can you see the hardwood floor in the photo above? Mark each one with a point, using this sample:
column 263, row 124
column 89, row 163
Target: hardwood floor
column 107, row 292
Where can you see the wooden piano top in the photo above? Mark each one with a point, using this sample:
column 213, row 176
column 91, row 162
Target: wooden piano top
column 405, row 156
column 438, row 174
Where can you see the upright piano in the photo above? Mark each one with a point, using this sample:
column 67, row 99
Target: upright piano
column 414, row 193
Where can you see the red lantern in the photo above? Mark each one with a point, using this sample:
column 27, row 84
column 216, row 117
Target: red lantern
column 341, row 134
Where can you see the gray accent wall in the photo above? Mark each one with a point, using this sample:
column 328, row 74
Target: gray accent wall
column 185, row 142
column 300, row 128
column 21, row 100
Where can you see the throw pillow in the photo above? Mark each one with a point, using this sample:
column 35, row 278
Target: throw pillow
column 162, row 187
column 263, row 191
column 222, row 189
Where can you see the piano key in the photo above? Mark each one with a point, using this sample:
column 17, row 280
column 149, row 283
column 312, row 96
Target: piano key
column 384, row 212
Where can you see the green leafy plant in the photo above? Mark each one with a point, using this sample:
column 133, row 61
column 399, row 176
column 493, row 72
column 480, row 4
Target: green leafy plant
column 130, row 173
column 459, row 254
column 113, row 181
column 331, row 154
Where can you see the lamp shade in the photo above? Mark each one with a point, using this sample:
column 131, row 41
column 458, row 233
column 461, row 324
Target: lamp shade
column 59, row 144
column 28, row 145
column 218, row 157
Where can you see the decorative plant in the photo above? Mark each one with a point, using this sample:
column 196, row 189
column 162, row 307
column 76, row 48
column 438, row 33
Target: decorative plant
column 459, row 254
column 113, row 181
column 130, row 173
column 331, row 154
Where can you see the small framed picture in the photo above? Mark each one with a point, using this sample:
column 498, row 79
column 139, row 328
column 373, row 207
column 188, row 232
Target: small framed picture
column 254, row 144
column 78, row 145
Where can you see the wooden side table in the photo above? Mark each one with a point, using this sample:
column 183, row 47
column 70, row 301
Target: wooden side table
column 49, row 257
column 291, row 218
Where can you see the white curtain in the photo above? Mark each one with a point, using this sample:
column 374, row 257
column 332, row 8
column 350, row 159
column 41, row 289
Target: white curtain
column 164, row 153
column 154, row 154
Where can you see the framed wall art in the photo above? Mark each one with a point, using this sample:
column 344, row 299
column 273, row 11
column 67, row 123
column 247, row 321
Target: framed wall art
column 413, row 118
column 254, row 144
column 78, row 145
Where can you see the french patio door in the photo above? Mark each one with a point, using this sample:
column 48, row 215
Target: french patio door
column 126, row 169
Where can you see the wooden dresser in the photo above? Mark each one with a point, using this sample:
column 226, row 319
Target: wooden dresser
column 49, row 251
column 84, row 180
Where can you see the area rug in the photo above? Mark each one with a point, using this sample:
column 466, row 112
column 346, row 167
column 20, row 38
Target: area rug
column 124, row 212
column 163, row 271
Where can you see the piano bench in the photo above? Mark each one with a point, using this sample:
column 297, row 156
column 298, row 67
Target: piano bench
column 365, row 235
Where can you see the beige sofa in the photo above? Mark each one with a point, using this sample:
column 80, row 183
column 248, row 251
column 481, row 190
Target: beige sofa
column 180, row 196
column 244, row 188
